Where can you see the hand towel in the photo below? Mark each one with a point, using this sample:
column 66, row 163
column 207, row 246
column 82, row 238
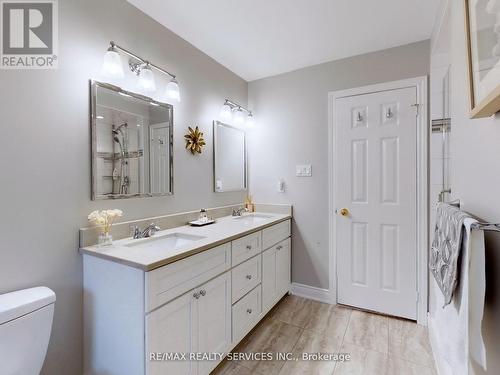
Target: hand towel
column 446, row 247
column 455, row 329
column 477, row 291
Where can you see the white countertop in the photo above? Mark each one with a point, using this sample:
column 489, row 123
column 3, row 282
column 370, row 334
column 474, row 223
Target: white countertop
column 225, row 229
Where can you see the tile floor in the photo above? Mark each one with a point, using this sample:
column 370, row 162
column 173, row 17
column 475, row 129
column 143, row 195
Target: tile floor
column 378, row 345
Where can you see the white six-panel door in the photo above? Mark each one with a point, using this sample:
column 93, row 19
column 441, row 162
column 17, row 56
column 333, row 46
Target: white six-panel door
column 376, row 197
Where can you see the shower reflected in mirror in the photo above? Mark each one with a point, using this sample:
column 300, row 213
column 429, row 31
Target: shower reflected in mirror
column 131, row 144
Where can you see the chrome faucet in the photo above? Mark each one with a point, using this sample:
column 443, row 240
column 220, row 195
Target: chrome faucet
column 149, row 231
column 239, row 211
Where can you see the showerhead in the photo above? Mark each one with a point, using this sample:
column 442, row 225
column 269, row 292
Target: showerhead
column 119, row 129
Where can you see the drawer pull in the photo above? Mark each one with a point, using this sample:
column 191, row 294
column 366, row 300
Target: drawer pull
column 196, row 295
column 249, row 311
column 249, row 247
column 203, row 292
column 249, row 277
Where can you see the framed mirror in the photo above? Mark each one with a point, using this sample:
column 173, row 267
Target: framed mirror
column 132, row 144
column 483, row 56
column 230, row 158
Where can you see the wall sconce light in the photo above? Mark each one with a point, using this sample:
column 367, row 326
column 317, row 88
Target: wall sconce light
column 250, row 123
column 145, row 77
column 112, row 64
column 233, row 111
column 226, row 112
column 112, row 68
column 239, row 116
column 173, row 91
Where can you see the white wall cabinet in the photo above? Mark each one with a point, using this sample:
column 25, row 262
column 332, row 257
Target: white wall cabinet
column 205, row 303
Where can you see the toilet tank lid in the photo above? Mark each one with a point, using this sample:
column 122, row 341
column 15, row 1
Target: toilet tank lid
column 16, row 304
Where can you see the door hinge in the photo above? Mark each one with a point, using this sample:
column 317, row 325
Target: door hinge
column 417, row 107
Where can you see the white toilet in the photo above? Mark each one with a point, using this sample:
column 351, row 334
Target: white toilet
column 25, row 325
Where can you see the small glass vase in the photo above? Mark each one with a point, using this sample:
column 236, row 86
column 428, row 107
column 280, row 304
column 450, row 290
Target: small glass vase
column 105, row 239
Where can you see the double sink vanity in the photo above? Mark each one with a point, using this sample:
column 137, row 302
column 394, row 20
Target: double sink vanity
column 149, row 302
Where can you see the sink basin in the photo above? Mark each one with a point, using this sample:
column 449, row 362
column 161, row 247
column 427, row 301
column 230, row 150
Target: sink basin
column 253, row 218
column 169, row 241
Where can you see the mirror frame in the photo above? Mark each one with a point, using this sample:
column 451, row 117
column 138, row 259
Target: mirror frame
column 245, row 187
column 94, row 85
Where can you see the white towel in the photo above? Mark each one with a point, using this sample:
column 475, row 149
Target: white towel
column 477, row 291
column 455, row 330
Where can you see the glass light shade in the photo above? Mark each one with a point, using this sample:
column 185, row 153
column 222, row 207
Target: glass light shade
column 173, row 91
column 250, row 123
column 239, row 117
column 112, row 64
column 226, row 112
column 146, row 79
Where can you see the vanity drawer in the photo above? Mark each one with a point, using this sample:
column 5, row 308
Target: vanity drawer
column 246, row 247
column 246, row 313
column 272, row 235
column 245, row 277
column 168, row 282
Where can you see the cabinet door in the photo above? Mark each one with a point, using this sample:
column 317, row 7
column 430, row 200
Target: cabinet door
column 283, row 252
column 171, row 329
column 213, row 315
column 269, row 287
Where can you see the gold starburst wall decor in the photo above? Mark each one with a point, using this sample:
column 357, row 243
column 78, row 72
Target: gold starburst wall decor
column 194, row 140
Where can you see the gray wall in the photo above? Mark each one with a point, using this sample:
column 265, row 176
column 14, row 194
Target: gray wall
column 292, row 128
column 45, row 155
column 475, row 148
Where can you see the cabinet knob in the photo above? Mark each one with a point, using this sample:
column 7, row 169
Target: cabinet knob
column 249, row 247
column 203, row 292
column 249, row 277
column 249, row 311
column 279, row 247
column 196, row 295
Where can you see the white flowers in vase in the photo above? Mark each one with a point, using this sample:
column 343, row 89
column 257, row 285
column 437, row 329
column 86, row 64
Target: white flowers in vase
column 104, row 219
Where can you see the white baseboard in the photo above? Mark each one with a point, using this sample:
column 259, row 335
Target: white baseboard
column 311, row 292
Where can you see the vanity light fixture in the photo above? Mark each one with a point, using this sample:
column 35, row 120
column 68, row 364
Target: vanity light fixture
column 250, row 123
column 239, row 116
column 226, row 112
column 233, row 111
column 112, row 64
column 146, row 79
column 112, row 68
column 173, row 91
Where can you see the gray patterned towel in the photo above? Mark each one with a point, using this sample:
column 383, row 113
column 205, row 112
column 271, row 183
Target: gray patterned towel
column 446, row 246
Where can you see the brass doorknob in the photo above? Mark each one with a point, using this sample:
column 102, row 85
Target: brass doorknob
column 344, row 211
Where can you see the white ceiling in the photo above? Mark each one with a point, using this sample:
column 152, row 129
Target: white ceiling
column 260, row 38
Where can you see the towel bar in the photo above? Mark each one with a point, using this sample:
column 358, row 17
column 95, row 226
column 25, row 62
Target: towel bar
column 478, row 226
column 486, row 226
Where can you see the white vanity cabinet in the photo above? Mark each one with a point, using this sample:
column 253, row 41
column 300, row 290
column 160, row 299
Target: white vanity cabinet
column 204, row 303
column 275, row 273
column 197, row 322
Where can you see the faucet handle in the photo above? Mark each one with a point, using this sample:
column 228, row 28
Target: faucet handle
column 154, row 228
column 135, row 231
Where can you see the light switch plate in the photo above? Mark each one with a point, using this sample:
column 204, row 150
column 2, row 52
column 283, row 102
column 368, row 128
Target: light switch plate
column 304, row 170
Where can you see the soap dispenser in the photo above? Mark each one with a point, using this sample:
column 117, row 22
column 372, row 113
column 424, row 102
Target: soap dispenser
column 249, row 205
